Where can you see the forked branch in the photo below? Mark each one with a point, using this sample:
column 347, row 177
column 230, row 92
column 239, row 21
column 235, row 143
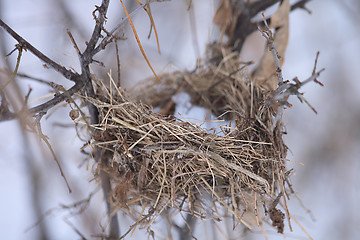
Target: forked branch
column 279, row 97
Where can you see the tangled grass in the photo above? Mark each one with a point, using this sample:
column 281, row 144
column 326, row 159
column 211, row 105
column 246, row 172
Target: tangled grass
column 159, row 162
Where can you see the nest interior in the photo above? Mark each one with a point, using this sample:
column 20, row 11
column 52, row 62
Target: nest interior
column 157, row 162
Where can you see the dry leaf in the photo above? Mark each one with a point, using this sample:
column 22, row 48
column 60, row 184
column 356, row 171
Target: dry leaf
column 265, row 73
column 225, row 17
column 222, row 14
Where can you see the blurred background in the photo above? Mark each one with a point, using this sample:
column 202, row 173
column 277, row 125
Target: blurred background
column 324, row 149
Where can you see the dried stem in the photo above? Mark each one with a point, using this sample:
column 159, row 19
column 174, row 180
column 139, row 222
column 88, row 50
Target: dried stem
column 138, row 40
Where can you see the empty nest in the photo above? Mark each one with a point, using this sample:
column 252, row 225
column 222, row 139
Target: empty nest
column 159, row 162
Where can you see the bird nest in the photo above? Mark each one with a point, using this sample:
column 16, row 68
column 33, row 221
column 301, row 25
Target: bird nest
column 159, row 162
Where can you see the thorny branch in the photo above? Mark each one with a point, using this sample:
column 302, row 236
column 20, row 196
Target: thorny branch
column 87, row 55
column 83, row 83
column 86, row 58
column 25, row 44
column 279, row 97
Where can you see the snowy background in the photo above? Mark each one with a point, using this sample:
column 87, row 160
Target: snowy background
column 324, row 148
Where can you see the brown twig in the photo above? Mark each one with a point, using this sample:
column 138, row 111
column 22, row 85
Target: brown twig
column 301, row 4
column 118, row 64
column 87, row 55
column 73, row 41
column 65, row 72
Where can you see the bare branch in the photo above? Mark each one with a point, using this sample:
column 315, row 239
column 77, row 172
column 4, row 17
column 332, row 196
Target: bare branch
column 86, row 56
column 83, row 83
column 301, row 4
column 5, row 116
column 279, row 97
column 270, row 41
column 26, row 45
column 186, row 231
column 259, row 6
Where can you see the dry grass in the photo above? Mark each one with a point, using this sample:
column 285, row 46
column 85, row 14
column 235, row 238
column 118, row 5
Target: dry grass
column 158, row 162
column 220, row 84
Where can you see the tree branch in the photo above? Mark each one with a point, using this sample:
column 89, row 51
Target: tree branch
column 300, row 4
column 83, row 83
column 259, row 6
column 86, row 56
column 279, row 97
column 65, row 72
column 56, row 100
column 7, row 115
column 186, row 232
column 244, row 26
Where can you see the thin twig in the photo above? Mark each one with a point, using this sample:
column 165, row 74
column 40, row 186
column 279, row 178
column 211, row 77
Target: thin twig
column 25, row 44
column 20, row 50
column 118, row 64
column 138, row 41
column 280, row 96
column 56, row 100
column 73, row 41
column 270, row 40
column 148, row 11
column 45, row 139
column 5, row 116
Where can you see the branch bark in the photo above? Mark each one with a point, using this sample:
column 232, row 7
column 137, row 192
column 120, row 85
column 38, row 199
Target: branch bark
column 86, row 58
column 244, row 26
